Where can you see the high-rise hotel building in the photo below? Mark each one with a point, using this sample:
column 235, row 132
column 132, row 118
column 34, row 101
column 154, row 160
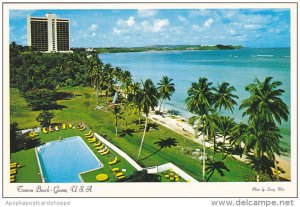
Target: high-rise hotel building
column 48, row 34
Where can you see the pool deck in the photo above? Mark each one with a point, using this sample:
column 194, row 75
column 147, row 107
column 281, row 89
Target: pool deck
column 39, row 164
column 80, row 138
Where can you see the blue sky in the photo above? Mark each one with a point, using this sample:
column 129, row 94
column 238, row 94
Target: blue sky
column 128, row 28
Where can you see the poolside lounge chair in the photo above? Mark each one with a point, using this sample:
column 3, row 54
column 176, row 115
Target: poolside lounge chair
column 44, row 130
column 82, row 128
column 13, row 167
column 13, row 163
column 64, row 126
column 51, row 129
column 70, row 125
column 89, row 133
column 116, row 169
column 13, row 171
column 12, row 179
column 113, row 161
column 100, row 147
column 177, row 179
column 105, row 152
column 93, row 140
column 90, row 136
column 121, row 177
column 32, row 134
column 56, row 128
column 97, row 144
column 102, row 150
column 119, row 174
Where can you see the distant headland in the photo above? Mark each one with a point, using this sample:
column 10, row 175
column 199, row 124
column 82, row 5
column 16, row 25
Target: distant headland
column 166, row 48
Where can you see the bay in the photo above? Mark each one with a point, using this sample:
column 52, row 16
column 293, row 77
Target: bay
column 238, row 67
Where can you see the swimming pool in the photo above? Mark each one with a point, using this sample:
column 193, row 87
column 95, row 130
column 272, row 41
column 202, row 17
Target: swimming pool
column 62, row 161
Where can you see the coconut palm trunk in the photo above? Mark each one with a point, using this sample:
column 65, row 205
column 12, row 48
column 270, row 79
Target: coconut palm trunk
column 97, row 94
column 139, row 119
column 160, row 105
column 116, row 126
column 276, row 169
column 204, row 157
column 215, row 143
column 146, row 122
column 126, row 118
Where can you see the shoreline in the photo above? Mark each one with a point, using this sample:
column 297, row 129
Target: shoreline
column 179, row 125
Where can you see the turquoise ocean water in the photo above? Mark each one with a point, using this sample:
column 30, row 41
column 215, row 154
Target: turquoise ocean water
column 238, row 67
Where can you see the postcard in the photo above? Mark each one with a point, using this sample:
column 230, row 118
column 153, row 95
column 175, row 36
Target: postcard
column 149, row 100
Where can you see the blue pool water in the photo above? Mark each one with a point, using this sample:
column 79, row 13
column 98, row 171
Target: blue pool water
column 62, row 161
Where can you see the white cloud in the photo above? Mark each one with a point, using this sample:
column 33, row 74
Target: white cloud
column 93, row 27
column 229, row 13
column 252, row 26
column 147, row 12
column 126, row 23
column 159, row 24
column 200, row 12
column 196, row 27
column 208, row 22
column 176, row 30
column 181, row 19
column 116, row 30
column 130, row 22
column 231, row 31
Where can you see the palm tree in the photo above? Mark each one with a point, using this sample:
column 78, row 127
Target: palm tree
column 98, row 79
column 262, row 142
column 165, row 89
column 117, row 73
column 266, row 106
column 117, row 111
column 224, row 96
column 199, row 101
column 92, row 64
column 109, row 78
column 237, row 138
column 149, row 101
column 225, row 126
column 126, row 78
column 265, row 101
column 127, row 106
column 137, row 96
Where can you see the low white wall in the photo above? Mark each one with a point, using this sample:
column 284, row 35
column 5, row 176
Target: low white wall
column 177, row 170
column 120, row 152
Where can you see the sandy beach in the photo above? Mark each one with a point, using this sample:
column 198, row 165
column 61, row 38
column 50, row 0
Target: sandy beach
column 180, row 125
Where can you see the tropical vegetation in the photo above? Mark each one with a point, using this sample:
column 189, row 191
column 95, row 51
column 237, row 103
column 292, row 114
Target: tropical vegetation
column 60, row 87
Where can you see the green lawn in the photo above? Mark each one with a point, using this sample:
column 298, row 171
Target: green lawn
column 29, row 172
column 81, row 108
